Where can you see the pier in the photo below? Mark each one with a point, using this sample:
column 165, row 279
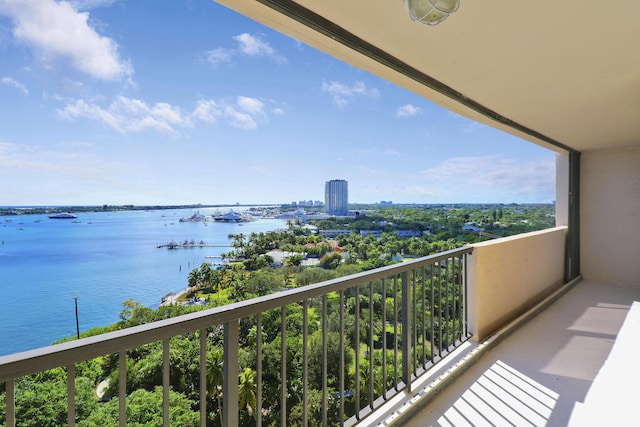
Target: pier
column 191, row 244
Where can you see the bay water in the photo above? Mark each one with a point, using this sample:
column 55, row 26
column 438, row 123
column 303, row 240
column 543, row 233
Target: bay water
column 103, row 259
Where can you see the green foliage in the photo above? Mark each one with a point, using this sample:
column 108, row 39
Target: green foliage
column 316, row 374
column 41, row 399
column 264, row 282
column 295, row 260
column 313, row 275
column 144, row 409
column 331, row 261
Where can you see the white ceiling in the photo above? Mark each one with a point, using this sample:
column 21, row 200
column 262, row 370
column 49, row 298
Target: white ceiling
column 553, row 72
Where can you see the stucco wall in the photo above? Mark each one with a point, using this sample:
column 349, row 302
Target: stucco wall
column 610, row 216
column 508, row 276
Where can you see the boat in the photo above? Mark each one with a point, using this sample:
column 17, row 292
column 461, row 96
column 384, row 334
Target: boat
column 232, row 216
column 196, row 217
column 63, row 215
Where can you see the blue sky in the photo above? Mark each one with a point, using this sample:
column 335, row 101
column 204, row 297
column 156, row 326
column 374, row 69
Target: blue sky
column 178, row 102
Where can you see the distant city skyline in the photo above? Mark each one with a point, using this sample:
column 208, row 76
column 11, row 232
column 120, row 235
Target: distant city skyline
column 182, row 102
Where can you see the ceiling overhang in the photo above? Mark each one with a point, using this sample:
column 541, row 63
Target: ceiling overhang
column 566, row 77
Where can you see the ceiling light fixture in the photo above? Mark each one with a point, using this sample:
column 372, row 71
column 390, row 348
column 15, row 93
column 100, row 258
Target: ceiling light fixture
column 431, row 12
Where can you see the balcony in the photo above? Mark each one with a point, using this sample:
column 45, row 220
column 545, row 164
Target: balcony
column 568, row 365
column 542, row 350
column 433, row 306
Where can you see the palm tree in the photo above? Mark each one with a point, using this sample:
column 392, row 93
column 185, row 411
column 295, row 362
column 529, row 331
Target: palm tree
column 215, row 375
column 247, row 390
column 238, row 243
column 195, row 278
column 364, row 382
column 206, row 273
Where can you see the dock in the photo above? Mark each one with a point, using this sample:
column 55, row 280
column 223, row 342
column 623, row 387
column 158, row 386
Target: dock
column 185, row 244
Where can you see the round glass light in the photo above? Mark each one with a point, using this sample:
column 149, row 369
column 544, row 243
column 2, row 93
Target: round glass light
column 431, row 12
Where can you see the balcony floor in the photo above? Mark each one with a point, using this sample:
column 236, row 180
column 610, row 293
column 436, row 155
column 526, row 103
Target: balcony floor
column 552, row 371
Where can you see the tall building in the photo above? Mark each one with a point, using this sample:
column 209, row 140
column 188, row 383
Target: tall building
column 336, row 197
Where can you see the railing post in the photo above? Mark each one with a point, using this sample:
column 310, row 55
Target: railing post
column 283, row 366
column 305, row 363
column 370, row 345
column 384, row 338
column 203, row 377
column 230, row 374
column 325, row 374
column 258, row 370
column 10, row 400
column 356, row 340
column 341, row 357
column 166, row 384
column 122, row 388
column 465, row 289
column 406, row 331
column 71, row 395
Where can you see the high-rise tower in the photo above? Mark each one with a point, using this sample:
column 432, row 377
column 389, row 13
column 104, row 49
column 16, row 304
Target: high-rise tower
column 336, row 197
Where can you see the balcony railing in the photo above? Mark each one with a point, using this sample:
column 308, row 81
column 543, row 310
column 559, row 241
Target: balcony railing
column 375, row 332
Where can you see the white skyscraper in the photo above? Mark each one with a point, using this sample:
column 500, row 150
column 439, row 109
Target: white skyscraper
column 336, row 197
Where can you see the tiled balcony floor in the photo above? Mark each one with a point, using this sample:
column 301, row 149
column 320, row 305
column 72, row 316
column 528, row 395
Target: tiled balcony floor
column 543, row 374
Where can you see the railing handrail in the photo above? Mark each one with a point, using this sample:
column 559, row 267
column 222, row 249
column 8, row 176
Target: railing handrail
column 32, row 361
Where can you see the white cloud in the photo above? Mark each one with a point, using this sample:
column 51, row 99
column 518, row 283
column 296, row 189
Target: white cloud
column 169, row 114
column 252, row 45
column 218, row 56
column 125, row 115
column 344, row 94
column 80, row 109
column 247, row 45
column 8, row 81
column 251, row 105
column 240, row 119
column 408, row 111
column 245, row 113
column 496, row 175
column 56, row 29
column 207, row 111
column 149, row 122
column 130, row 115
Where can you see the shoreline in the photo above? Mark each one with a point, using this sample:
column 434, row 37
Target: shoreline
column 41, row 210
column 172, row 297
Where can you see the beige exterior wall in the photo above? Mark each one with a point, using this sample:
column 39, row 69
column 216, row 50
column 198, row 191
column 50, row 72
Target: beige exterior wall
column 508, row 276
column 610, row 216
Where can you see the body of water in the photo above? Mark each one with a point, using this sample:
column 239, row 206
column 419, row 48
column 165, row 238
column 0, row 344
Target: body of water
column 103, row 258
